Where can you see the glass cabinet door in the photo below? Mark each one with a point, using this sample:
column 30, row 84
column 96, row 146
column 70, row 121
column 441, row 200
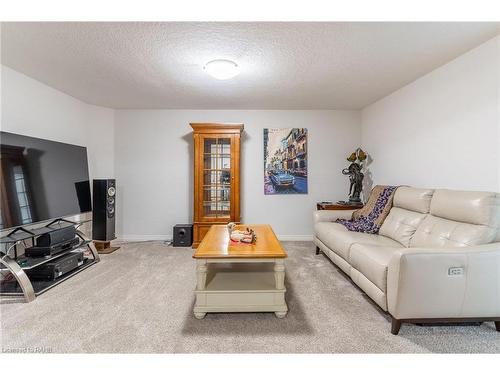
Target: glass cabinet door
column 216, row 195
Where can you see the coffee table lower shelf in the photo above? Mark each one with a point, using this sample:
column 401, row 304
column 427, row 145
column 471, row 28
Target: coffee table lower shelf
column 239, row 285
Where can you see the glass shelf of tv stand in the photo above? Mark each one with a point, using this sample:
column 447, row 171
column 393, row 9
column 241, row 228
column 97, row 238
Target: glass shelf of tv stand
column 13, row 289
column 27, row 263
column 16, row 265
column 23, row 234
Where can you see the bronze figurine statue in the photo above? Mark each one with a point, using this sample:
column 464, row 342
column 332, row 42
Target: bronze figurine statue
column 355, row 175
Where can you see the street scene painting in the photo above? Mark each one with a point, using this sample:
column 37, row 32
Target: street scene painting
column 285, row 161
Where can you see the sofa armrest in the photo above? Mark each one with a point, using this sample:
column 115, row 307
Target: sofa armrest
column 444, row 282
column 331, row 215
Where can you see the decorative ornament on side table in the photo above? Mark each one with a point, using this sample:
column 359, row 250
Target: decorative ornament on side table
column 245, row 236
column 355, row 176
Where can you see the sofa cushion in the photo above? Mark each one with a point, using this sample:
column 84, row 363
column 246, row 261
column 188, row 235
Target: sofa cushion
column 438, row 232
column 401, row 224
column 372, row 262
column 327, row 226
column 339, row 239
column 418, row 200
column 473, row 207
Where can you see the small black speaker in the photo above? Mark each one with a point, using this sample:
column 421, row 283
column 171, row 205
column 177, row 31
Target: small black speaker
column 103, row 209
column 56, row 237
column 183, row 235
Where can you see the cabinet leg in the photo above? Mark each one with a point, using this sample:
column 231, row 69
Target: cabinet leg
column 317, row 250
column 395, row 326
column 497, row 325
column 280, row 314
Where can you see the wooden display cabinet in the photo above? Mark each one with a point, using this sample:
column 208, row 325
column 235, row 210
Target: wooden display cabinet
column 216, row 176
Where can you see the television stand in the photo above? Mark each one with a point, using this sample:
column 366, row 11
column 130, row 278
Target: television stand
column 22, row 286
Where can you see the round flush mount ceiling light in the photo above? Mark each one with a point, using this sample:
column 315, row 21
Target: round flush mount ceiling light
column 222, row 69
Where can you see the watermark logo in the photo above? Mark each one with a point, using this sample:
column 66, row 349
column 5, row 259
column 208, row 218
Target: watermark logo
column 28, row 350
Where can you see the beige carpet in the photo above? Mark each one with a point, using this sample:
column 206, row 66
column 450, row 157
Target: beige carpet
column 140, row 299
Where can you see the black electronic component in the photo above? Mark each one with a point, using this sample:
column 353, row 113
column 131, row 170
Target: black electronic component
column 57, row 267
column 183, row 235
column 44, row 251
column 56, row 237
column 42, row 180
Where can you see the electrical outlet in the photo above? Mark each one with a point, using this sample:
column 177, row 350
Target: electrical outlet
column 455, row 271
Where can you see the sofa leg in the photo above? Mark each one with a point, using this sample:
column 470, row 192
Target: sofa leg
column 317, row 250
column 497, row 325
column 395, row 326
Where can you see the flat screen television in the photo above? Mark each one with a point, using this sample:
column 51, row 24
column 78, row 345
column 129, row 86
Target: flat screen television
column 41, row 180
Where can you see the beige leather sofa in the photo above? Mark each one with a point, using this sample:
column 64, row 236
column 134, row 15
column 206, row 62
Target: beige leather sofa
column 436, row 257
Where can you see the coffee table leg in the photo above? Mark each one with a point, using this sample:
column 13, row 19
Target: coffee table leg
column 279, row 273
column 201, row 274
column 201, row 282
column 279, row 278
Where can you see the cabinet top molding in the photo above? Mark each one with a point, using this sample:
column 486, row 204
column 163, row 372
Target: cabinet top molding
column 211, row 127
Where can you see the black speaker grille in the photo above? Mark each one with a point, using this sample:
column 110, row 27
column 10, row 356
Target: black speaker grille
column 183, row 235
column 104, row 210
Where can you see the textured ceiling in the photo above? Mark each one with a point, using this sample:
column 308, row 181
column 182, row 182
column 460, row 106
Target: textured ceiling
column 283, row 65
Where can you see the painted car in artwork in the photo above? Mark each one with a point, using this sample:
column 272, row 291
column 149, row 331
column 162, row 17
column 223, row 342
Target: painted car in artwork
column 281, row 179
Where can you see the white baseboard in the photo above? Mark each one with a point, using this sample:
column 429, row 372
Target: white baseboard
column 293, row 237
column 168, row 237
column 144, row 237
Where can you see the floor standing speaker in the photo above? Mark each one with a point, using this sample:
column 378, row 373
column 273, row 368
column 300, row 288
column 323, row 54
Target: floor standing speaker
column 103, row 214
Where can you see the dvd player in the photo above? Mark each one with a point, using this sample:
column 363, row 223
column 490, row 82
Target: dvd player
column 43, row 251
column 57, row 267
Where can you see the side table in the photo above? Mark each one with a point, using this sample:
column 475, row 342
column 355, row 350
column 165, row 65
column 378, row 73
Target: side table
column 337, row 206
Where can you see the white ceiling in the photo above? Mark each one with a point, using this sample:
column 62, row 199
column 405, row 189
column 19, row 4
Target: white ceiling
column 283, row 65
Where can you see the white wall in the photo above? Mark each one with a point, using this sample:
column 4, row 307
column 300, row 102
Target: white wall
column 443, row 130
column 154, row 167
column 31, row 108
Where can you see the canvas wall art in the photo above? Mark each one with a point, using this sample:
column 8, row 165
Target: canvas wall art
column 285, row 161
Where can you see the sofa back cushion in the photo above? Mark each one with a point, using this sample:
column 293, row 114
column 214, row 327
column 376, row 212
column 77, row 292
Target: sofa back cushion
column 401, row 224
column 409, row 208
column 418, row 200
column 438, row 232
column 473, row 207
column 459, row 218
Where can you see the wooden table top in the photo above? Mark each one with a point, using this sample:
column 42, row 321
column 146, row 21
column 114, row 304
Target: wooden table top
column 338, row 206
column 217, row 244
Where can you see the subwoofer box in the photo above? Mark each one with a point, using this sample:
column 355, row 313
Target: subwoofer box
column 183, row 235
